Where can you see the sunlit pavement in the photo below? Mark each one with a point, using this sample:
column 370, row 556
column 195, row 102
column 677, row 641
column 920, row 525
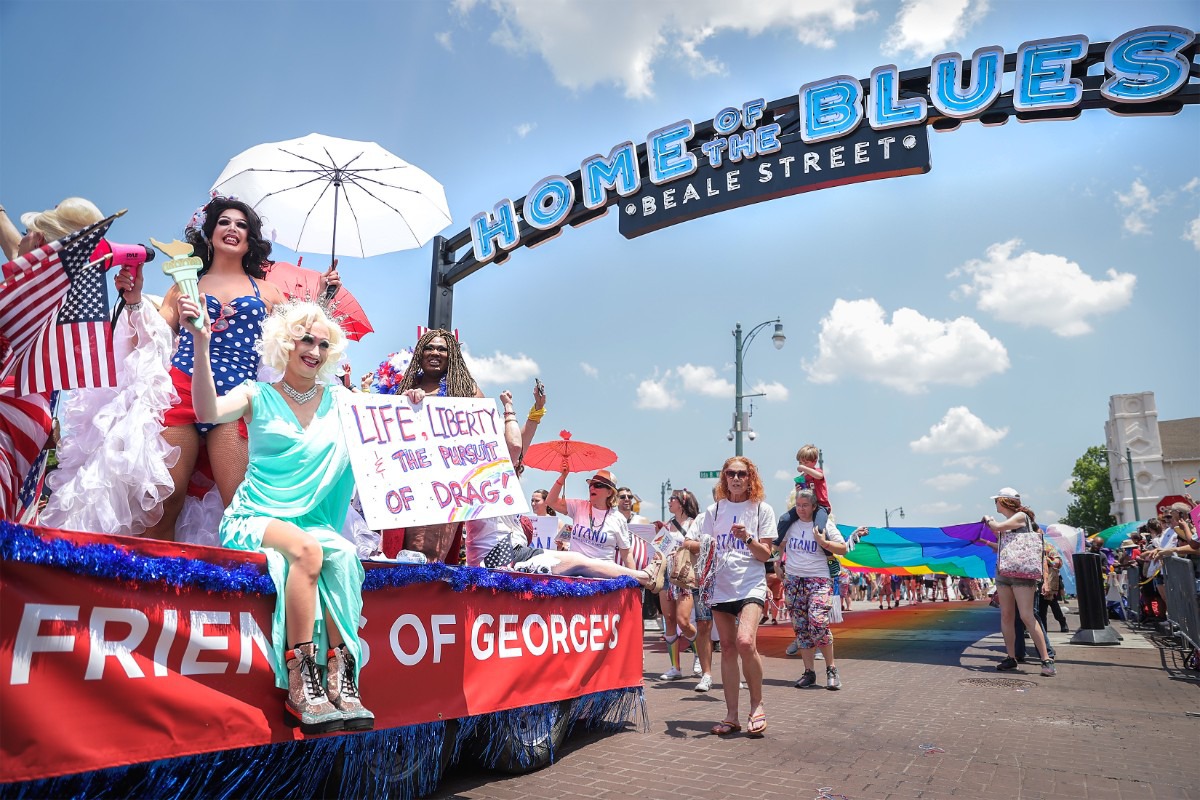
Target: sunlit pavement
column 922, row 714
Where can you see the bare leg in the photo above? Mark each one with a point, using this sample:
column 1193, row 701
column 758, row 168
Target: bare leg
column 1008, row 618
column 579, row 565
column 704, row 645
column 730, row 675
column 229, row 455
column 1024, row 604
column 305, row 557
column 747, row 648
column 187, row 439
column 683, row 615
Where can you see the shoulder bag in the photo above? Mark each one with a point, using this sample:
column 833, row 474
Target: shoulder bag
column 1020, row 554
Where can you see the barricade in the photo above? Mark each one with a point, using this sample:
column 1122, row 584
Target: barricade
column 1133, row 592
column 1182, row 606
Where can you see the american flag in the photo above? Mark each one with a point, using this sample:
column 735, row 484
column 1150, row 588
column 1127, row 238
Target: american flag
column 57, row 341
column 25, row 425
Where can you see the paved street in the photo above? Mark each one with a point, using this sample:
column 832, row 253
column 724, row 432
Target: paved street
column 1113, row 725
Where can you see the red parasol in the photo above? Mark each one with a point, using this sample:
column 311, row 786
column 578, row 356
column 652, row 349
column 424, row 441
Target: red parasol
column 299, row 283
column 579, row 456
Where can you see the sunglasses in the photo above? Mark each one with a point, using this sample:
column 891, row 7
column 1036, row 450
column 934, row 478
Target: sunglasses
column 624, row 497
column 221, row 323
column 737, row 473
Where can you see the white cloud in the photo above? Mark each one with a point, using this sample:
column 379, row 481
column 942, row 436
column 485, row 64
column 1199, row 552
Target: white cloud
column 1065, row 486
column 703, row 380
column 1191, row 185
column 500, row 368
column 784, row 475
column 960, row 431
column 653, row 394
column 586, row 43
column 1042, row 289
column 1191, row 232
column 443, row 38
column 775, row 391
column 1048, row 516
column 589, row 370
column 950, row 481
column 940, row 507
column 524, row 129
column 1139, row 206
column 973, row 462
column 925, row 28
column 908, row 354
column 846, row 487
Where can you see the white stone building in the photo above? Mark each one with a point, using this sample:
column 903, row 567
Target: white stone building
column 1164, row 454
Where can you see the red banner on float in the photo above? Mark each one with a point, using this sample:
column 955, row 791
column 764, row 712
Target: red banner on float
column 97, row 673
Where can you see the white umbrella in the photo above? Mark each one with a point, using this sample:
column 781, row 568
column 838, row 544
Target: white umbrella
column 297, row 187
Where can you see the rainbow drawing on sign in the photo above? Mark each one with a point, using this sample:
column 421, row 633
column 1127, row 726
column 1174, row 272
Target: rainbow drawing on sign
column 479, row 489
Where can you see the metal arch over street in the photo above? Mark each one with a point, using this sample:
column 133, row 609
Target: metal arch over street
column 1150, row 71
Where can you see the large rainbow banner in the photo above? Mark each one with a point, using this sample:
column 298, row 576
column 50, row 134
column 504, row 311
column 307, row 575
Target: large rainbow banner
column 953, row 550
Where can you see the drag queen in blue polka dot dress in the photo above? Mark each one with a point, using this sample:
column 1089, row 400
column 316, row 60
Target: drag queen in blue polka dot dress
column 227, row 235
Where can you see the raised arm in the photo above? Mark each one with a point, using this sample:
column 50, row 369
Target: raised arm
column 208, row 406
column 512, row 433
column 555, row 499
column 535, row 415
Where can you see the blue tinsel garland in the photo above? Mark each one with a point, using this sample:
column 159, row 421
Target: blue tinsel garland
column 21, row 545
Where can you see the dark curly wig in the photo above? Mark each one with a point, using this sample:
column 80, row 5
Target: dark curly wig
column 258, row 254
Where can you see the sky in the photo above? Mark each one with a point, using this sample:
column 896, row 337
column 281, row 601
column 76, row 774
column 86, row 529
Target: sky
column 947, row 334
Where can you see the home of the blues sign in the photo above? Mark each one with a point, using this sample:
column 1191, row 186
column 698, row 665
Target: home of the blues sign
column 835, row 131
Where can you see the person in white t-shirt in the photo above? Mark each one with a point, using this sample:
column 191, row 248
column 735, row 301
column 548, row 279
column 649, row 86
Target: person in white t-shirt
column 598, row 529
column 743, row 527
column 500, row 542
column 809, row 589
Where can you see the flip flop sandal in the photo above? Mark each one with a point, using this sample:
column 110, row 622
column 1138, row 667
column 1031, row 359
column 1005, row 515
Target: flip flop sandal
column 725, row 728
column 756, row 726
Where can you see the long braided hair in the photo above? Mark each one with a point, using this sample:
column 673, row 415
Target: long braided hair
column 459, row 382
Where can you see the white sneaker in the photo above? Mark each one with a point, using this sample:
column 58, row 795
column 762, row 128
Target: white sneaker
column 742, row 685
column 672, row 674
column 705, row 683
column 696, row 666
column 794, row 647
column 819, row 656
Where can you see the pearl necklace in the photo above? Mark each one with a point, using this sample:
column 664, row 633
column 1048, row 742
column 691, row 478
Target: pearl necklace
column 299, row 397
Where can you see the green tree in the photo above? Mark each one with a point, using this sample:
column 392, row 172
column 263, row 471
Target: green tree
column 1092, row 492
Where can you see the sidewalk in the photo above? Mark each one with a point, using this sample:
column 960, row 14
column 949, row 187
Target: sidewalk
column 1113, row 725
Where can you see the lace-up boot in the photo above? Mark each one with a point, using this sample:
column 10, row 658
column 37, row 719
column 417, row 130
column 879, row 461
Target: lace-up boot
column 307, row 704
column 343, row 690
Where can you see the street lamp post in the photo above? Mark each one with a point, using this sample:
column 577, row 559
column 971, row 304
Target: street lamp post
column 1132, row 486
column 739, row 349
column 887, row 522
column 666, row 487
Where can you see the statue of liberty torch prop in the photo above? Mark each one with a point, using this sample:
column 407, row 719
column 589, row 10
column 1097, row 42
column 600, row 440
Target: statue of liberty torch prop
column 184, row 269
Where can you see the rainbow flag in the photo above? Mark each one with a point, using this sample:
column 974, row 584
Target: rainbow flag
column 1188, row 482
column 921, row 551
column 951, row 550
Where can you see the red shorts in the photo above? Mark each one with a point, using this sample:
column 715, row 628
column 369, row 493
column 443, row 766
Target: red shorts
column 183, row 413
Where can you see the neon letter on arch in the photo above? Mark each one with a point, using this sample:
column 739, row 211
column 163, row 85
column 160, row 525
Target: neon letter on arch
column 886, row 109
column 487, row 234
column 1043, row 77
column 1146, row 64
column 830, row 108
column 561, row 196
column 666, row 152
column 947, row 92
column 619, row 171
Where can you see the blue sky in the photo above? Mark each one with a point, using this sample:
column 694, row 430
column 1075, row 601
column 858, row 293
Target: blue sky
column 925, row 386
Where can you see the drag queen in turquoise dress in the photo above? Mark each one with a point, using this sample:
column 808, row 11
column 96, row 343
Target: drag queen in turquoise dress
column 291, row 506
